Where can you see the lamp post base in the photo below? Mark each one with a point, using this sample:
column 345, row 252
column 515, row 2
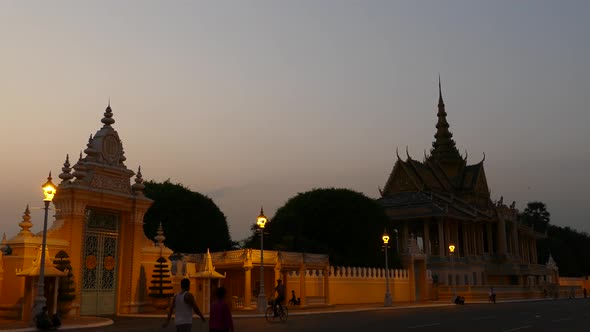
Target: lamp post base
column 38, row 305
column 388, row 300
column 261, row 304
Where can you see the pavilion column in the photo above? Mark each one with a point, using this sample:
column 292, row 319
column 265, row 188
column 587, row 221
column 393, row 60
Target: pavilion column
column 247, row 287
column 533, row 251
column 502, row 236
column 456, row 235
column 476, row 243
column 302, row 273
column 515, row 239
column 466, row 240
column 405, row 237
column 441, row 239
column 535, row 261
column 481, row 248
column 447, row 230
column 427, row 238
column 490, row 238
column 529, row 244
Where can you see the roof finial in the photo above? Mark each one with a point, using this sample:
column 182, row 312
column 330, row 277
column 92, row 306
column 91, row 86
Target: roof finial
column 440, row 98
column 408, row 153
column 65, row 175
column 160, row 237
column 108, row 115
column 397, row 153
column 138, row 186
column 26, row 224
column 80, row 169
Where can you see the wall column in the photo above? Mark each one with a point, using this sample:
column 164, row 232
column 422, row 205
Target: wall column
column 427, row 250
column 247, row 287
column 327, row 285
column 302, row 273
column 441, row 239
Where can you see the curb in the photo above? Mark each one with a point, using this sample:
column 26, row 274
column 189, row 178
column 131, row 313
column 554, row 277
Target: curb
column 106, row 322
column 318, row 312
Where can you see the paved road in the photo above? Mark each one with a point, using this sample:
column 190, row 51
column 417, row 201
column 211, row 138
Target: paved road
column 559, row 315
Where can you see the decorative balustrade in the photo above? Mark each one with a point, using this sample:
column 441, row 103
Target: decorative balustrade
column 358, row 273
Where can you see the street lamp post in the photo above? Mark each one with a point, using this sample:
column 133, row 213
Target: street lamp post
column 452, row 278
column 49, row 190
column 261, row 221
column 388, row 300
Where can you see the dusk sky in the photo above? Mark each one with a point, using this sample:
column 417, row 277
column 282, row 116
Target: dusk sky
column 251, row 102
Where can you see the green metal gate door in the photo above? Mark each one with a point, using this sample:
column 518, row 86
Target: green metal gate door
column 99, row 265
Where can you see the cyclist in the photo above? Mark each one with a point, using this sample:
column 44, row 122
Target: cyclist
column 280, row 290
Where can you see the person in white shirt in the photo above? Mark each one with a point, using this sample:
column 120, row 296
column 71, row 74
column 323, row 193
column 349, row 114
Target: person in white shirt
column 184, row 304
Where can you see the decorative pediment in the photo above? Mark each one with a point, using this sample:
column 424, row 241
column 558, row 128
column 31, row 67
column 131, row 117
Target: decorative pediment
column 481, row 186
column 399, row 181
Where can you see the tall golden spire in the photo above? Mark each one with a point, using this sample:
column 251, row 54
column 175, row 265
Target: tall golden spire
column 443, row 148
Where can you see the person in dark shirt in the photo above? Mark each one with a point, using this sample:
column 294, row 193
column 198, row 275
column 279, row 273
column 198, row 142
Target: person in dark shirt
column 280, row 290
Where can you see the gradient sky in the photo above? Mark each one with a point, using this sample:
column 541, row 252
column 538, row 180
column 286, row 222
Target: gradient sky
column 251, row 102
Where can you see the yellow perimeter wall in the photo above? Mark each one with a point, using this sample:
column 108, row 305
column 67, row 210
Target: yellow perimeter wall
column 352, row 285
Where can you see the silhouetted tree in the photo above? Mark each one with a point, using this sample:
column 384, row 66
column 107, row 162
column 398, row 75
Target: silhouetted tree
column 536, row 215
column 191, row 221
column 342, row 223
column 568, row 248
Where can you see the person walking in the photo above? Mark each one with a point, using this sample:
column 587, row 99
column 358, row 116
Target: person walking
column 220, row 319
column 492, row 295
column 184, row 304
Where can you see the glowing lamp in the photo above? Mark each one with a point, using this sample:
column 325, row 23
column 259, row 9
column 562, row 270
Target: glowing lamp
column 452, row 248
column 261, row 221
column 385, row 238
column 49, row 189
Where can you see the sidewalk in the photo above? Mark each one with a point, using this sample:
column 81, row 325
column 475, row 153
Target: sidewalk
column 67, row 324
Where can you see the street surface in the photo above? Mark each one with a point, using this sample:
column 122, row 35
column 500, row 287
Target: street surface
column 551, row 315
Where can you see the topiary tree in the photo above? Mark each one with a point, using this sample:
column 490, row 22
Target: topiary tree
column 66, row 291
column 192, row 222
column 161, row 283
column 345, row 224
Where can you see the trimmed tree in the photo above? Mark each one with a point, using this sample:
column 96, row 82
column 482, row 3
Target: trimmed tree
column 161, row 284
column 66, row 292
column 345, row 224
column 192, row 222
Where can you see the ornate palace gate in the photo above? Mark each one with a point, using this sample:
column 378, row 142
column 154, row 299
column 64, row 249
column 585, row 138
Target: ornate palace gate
column 99, row 264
